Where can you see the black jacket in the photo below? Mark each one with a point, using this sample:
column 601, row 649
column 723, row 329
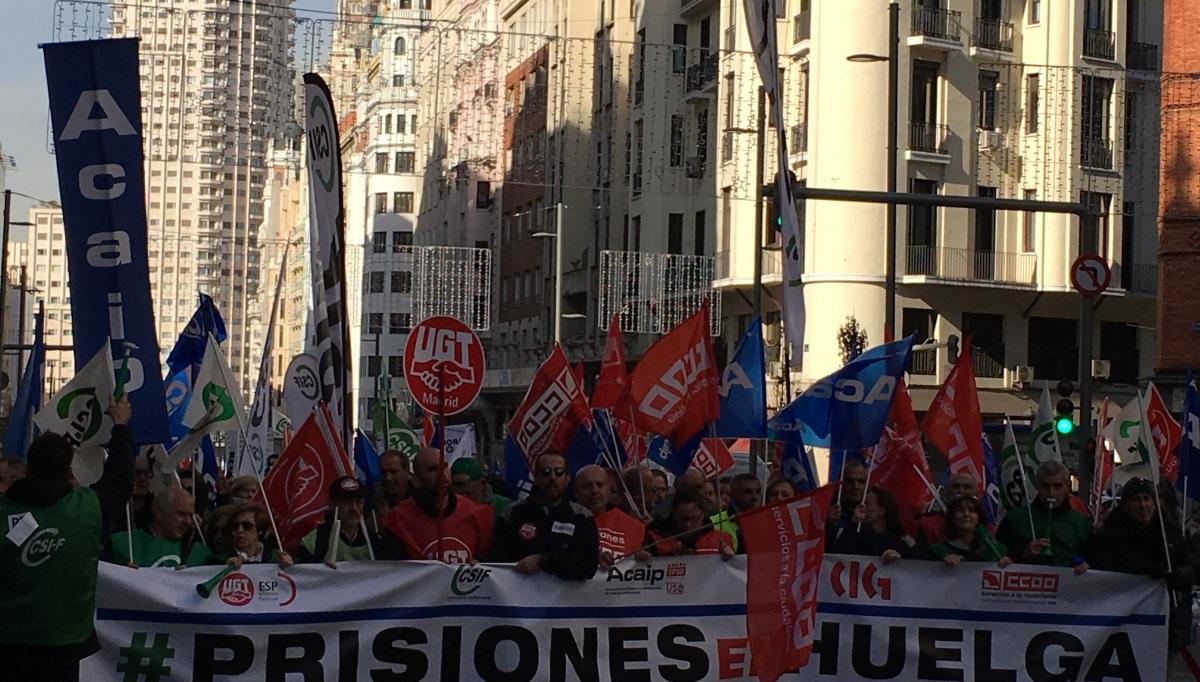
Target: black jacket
column 868, row 542
column 564, row 535
column 1126, row 546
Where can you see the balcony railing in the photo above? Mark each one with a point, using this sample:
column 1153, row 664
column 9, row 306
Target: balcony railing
column 798, row 141
column 1096, row 154
column 923, row 362
column 932, row 22
column 969, row 265
column 988, row 364
column 801, row 27
column 772, row 265
column 704, row 72
column 1140, row 278
column 1099, row 44
column 928, row 137
column 1141, row 56
column 993, row 34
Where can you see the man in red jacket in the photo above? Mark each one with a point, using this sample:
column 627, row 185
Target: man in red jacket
column 620, row 533
column 412, row 529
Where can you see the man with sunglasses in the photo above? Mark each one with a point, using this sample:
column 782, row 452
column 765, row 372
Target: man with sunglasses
column 546, row 531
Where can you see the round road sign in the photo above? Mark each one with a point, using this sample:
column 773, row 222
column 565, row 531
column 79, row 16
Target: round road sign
column 443, row 365
column 1090, row 274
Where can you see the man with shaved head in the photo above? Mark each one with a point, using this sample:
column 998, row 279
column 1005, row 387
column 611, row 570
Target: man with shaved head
column 413, row 530
column 692, row 479
column 620, row 533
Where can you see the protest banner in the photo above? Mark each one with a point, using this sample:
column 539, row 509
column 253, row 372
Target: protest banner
column 669, row 618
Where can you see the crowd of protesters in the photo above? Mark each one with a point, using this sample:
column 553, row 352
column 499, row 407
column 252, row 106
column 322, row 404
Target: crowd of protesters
column 567, row 526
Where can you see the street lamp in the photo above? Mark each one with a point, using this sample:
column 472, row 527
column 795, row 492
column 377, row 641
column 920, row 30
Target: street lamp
column 558, row 224
column 893, row 60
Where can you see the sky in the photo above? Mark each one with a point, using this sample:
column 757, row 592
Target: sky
column 24, row 117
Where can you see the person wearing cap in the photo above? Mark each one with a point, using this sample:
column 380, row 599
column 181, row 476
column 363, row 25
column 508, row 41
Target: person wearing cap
column 414, row 530
column 1049, row 532
column 1131, row 541
column 354, row 541
column 468, row 479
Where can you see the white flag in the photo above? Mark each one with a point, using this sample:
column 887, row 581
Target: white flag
column 213, row 389
column 256, row 446
column 79, row 411
column 460, row 441
column 1134, row 453
column 1043, row 444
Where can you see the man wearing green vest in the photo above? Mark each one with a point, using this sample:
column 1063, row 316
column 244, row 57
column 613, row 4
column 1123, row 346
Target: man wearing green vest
column 171, row 538
column 48, row 554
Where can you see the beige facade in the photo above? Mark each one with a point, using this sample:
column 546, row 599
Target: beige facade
column 42, row 258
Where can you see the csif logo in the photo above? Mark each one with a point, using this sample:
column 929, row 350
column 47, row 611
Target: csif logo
column 468, row 579
column 82, row 408
column 42, row 547
column 215, row 394
column 853, row 578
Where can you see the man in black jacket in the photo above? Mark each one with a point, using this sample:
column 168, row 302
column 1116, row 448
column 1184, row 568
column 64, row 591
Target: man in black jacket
column 546, row 531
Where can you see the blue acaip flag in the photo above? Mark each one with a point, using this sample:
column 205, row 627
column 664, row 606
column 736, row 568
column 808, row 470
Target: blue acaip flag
column 848, row 409
column 596, row 443
column 29, row 395
column 795, row 465
column 189, row 348
column 743, row 389
column 1189, row 445
column 517, row 478
column 675, row 460
column 366, row 459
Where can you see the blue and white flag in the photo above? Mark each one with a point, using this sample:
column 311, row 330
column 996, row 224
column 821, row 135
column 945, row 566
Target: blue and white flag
column 517, row 478
column 676, row 460
column 795, row 463
column 848, row 409
column 1189, row 446
column 95, row 114
column 744, row 389
column 992, row 509
column 29, row 394
column 189, row 347
column 366, row 459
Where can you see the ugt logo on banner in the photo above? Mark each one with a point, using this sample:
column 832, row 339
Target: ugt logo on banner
column 95, row 111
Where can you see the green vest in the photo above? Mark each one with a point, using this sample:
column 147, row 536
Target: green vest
column 48, row 584
column 1070, row 534
column 150, row 551
column 725, row 523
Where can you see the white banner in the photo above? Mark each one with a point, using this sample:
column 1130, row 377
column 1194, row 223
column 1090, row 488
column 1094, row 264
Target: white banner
column 672, row 619
column 460, row 441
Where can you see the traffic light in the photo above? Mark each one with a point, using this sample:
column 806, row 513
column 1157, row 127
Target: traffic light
column 1064, row 421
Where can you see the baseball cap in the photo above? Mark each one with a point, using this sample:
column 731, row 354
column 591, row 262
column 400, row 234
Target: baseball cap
column 1136, row 486
column 347, row 488
column 469, row 466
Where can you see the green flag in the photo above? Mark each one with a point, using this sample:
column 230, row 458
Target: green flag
column 1015, row 469
column 1043, row 439
column 395, row 433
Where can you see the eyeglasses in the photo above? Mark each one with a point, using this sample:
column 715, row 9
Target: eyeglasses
column 557, row 472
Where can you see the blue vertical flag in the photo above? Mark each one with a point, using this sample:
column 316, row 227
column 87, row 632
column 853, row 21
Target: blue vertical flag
column 676, row 460
column 596, row 443
column 366, row 459
column 795, row 465
column 95, row 116
column 848, row 409
column 189, row 348
column 517, row 478
column 29, row 394
column 991, row 485
column 1189, row 446
column 744, row 389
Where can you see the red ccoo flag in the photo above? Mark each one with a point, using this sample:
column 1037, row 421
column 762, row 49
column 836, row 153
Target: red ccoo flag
column 785, row 544
column 1165, row 431
column 952, row 424
column 553, row 408
column 674, row 387
column 898, row 463
column 297, row 486
column 612, row 392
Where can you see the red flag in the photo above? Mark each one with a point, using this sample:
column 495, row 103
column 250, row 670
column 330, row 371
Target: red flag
column 297, row 486
column 674, row 386
column 1166, row 433
column 952, row 424
column 713, row 458
column 612, row 385
column 898, row 463
column 553, row 408
column 1102, row 467
column 785, row 543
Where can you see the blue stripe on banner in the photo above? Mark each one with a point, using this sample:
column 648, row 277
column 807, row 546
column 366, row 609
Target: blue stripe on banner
column 423, row 612
column 970, row 615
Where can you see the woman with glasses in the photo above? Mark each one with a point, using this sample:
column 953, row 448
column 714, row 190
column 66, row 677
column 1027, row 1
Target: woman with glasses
column 967, row 537
column 239, row 536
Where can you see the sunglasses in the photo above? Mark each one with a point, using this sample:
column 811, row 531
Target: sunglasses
column 553, row 471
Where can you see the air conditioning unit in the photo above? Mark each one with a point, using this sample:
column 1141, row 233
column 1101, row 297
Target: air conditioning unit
column 990, row 140
column 694, row 167
column 1101, row 369
column 1022, row 374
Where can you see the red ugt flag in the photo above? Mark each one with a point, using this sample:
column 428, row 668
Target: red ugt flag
column 785, row 544
column 952, row 424
column 674, row 386
column 297, row 486
column 553, row 408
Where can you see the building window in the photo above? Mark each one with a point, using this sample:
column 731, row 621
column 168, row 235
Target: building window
column 679, row 49
column 1119, row 345
column 375, row 323
column 398, row 82
column 1128, row 239
column 1033, row 102
column 702, row 134
column 381, row 163
column 637, row 162
column 483, row 194
column 987, row 343
column 401, row 281
column 675, row 233
column 387, row 124
column 676, row 141
column 401, row 240
column 920, row 322
column 402, row 202
column 1035, row 11
column 399, row 47
column 374, row 364
column 399, row 323
column 922, row 232
column 381, row 202
column 700, row 226
column 1101, row 204
column 1053, row 350
column 379, row 242
column 405, row 162
column 1029, row 224
column 987, row 100
column 1131, row 120
column 375, row 282
column 400, row 124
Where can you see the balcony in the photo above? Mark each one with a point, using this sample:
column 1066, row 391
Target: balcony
column 798, row 144
column 1096, row 154
column 935, row 27
column 988, row 365
column 933, row 263
column 1099, row 44
column 1141, row 56
column 701, row 77
column 730, row 273
column 923, row 362
column 928, row 138
column 1136, row 278
column 992, row 35
column 694, row 8
column 801, row 32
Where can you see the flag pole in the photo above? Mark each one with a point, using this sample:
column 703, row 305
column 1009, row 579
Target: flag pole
column 129, row 528
column 937, row 496
column 1024, row 481
column 440, row 430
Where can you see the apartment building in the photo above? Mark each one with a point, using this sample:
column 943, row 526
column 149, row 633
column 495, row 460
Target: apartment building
column 41, row 258
column 216, row 87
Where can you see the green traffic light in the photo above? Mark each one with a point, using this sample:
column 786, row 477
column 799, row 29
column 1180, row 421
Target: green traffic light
column 1064, row 425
